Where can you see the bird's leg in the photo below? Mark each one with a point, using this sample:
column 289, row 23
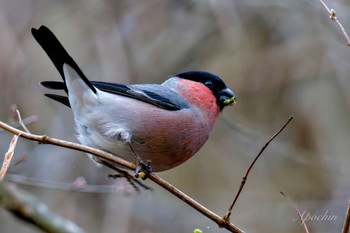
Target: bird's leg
column 142, row 169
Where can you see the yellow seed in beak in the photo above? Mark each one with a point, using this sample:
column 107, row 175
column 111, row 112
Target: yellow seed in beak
column 231, row 101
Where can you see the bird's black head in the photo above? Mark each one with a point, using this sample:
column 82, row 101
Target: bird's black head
column 224, row 96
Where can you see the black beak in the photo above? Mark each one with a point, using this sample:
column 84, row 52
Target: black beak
column 227, row 97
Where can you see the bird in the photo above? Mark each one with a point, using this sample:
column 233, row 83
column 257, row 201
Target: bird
column 164, row 124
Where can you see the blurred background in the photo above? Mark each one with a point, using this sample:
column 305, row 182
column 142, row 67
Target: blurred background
column 282, row 58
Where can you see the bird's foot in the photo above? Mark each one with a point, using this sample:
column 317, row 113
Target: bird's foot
column 124, row 174
column 143, row 169
column 132, row 180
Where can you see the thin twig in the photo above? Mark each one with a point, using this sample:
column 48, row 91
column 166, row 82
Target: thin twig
column 244, row 180
column 346, row 225
column 110, row 157
column 8, row 157
column 298, row 212
column 21, row 121
column 333, row 16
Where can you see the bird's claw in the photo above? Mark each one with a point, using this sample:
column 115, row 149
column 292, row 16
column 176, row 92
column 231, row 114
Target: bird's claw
column 143, row 169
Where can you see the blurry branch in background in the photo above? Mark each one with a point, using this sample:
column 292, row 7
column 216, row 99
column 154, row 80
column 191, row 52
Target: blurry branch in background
column 302, row 220
column 9, row 154
column 78, row 185
column 16, row 120
column 224, row 223
column 8, row 157
column 347, row 220
column 333, row 16
column 26, row 207
column 244, row 180
column 21, row 121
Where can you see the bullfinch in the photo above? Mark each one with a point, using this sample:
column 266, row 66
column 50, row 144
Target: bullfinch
column 165, row 124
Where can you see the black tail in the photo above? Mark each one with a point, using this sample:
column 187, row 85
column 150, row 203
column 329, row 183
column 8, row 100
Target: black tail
column 57, row 53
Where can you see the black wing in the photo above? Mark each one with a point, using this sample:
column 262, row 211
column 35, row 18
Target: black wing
column 145, row 93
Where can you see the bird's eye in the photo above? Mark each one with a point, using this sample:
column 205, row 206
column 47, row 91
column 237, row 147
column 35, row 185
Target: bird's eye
column 209, row 84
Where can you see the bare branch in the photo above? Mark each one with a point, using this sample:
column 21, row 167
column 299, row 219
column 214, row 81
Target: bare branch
column 27, row 208
column 333, row 16
column 75, row 146
column 296, row 210
column 347, row 220
column 8, row 157
column 244, row 180
column 110, row 157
